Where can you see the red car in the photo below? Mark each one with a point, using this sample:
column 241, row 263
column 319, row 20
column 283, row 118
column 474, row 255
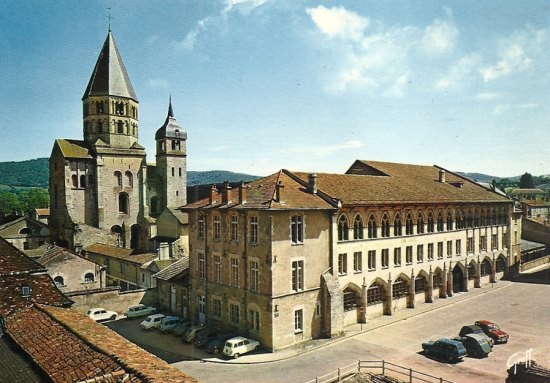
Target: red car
column 493, row 331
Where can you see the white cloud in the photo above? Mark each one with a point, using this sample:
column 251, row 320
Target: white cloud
column 243, row 6
column 461, row 72
column 486, row 96
column 529, row 106
column 323, row 150
column 339, row 22
column 439, row 37
column 397, row 89
column 517, row 53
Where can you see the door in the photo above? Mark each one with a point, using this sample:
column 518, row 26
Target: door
column 202, row 309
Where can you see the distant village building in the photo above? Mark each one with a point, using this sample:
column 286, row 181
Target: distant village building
column 295, row 256
column 25, row 233
column 534, row 202
column 103, row 181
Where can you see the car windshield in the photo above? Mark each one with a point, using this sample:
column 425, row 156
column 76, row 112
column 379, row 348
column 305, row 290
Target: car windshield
column 492, row 327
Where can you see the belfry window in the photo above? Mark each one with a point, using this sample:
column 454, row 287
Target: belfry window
column 130, row 179
column 120, row 126
column 118, row 176
column 74, row 179
column 119, row 108
column 99, row 107
column 83, row 181
column 123, row 203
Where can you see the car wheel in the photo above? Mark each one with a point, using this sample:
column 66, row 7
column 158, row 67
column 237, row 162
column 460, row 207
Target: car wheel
column 113, row 317
column 256, row 348
column 235, row 356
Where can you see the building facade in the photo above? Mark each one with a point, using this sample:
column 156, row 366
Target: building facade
column 295, row 256
column 103, row 181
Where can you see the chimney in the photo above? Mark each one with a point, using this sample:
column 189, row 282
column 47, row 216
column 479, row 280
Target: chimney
column 243, row 189
column 312, row 183
column 164, row 251
column 213, row 194
column 226, row 193
column 441, row 175
column 279, row 191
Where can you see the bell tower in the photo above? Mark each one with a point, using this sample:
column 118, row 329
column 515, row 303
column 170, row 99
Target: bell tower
column 110, row 105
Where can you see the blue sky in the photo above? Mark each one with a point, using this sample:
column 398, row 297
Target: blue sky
column 261, row 85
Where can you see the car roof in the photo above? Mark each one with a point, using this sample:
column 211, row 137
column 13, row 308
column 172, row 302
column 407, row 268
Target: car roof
column 237, row 339
column 446, row 340
column 156, row 316
column 171, row 317
column 483, row 321
column 136, row 306
column 476, row 336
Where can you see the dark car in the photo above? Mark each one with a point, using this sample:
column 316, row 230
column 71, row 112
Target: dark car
column 476, row 345
column 180, row 329
column 473, row 329
column 446, row 349
column 204, row 336
column 493, row 331
column 216, row 344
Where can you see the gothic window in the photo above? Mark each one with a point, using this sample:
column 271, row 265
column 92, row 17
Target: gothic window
column 82, row 181
column 420, row 224
column 351, row 299
column 358, row 227
column 130, row 179
column 343, row 228
column 459, row 220
column 99, row 126
column 120, row 126
column 385, row 225
column 375, row 294
column 409, row 225
column 449, row 220
column 430, row 222
column 397, row 227
column 118, row 176
column 123, row 203
column 371, row 227
column 400, row 288
column 440, row 221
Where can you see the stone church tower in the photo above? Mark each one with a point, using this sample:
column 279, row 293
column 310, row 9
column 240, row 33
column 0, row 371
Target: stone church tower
column 99, row 188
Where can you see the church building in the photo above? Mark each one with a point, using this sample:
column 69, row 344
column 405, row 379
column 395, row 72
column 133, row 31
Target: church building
column 101, row 188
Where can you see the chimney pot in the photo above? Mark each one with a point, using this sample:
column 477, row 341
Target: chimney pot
column 312, row 183
column 279, row 191
column 213, row 194
column 226, row 193
column 441, row 175
column 243, row 191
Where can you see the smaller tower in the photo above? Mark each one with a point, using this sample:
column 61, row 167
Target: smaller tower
column 172, row 162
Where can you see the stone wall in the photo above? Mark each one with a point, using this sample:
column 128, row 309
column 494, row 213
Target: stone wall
column 112, row 299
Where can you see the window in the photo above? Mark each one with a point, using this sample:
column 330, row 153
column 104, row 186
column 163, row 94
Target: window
column 118, row 176
column 234, row 228
column 342, row 264
column 439, row 250
column 397, row 256
column 358, row 227
column 254, row 230
column 234, row 313
column 89, row 277
column 430, row 251
column 440, row 222
column 217, row 228
column 494, row 241
column 343, row 228
column 357, row 262
column 59, row 281
column 202, row 266
column 459, row 220
column 371, row 227
column 129, row 179
column 420, row 224
column 217, row 268
column 430, row 222
column 482, row 243
column 449, row 221
column 25, row 291
column 409, row 255
column 458, row 247
column 385, row 258
column 485, row 268
column 99, row 107
column 235, row 272
column 470, row 245
column 83, row 181
column 375, row 295
column 409, row 225
column 26, row 231
column 350, row 299
column 299, row 320
column 200, row 225
column 371, row 260
column 397, row 227
column 119, row 108
column 399, row 289
column 297, row 275
column 120, row 127
column 123, row 203
column 420, row 253
column 173, row 171
column 449, row 249
column 179, row 172
column 254, row 320
column 217, row 308
column 385, row 225
column 297, row 229
column 254, row 276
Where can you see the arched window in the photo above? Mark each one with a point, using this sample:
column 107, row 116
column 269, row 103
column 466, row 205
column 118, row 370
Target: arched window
column 440, row 221
column 371, row 227
column 397, row 227
column 385, row 225
column 343, row 228
column 500, row 265
column 449, row 220
column 494, row 217
column 135, row 232
column 375, row 294
column 59, row 281
column 25, row 230
column 123, row 203
column 485, row 268
column 409, row 225
column 477, row 220
column 83, row 181
column 351, row 299
column 120, row 127
column 358, row 227
column 74, row 179
column 471, row 270
column 130, row 179
column 99, row 107
column 459, row 220
column 430, row 222
column 89, row 277
column 420, row 224
column 118, row 176
column 400, row 288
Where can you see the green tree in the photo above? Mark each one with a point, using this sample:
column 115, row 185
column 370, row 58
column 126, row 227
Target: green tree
column 33, row 199
column 9, row 203
column 526, row 181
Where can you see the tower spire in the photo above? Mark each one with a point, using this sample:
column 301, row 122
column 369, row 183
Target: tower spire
column 109, row 17
column 170, row 111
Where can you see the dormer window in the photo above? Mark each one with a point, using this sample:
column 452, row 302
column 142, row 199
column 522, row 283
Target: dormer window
column 25, row 291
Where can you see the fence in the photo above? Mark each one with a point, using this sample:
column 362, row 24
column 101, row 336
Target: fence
column 379, row 366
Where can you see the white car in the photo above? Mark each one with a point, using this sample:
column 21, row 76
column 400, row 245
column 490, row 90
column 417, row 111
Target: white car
column 99, row 314
column 152, row 321
column 139, row 311
column 239, row 345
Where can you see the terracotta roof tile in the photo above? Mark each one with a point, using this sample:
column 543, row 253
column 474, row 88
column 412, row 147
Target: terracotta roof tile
column 174, row 270
column 12, row 260
column 120, row 253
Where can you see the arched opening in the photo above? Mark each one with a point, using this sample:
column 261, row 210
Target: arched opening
column 420, row 224
column 472, row 274
column 459, row 220
column 500, row 264
column 129, row 178
column 120, row 127
column 400, row 289
column 89, row 277
column 154, row 206
column 430, row 222
column 358, row 227
column 74, row 180
column 59, row 281
column 440, row 221
column 385, row 225
column 83, row 182
column 25, row 231
column 409, row 225
column 117, row 231
column 458, row 279
column 352, row 304
column 438, row 283
column 449, row 220
column 123, row 203
column 376, row 294
column 421, row 285
column 485, row 268
column 118, row 176
column 351, row 299
column 343, row 228
column 134, row 238
column 397, row 226
column 371, row 227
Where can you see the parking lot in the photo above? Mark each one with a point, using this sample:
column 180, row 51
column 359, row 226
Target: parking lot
column 519, row 308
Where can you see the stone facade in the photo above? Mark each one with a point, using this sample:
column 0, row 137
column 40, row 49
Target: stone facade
column 25, row 233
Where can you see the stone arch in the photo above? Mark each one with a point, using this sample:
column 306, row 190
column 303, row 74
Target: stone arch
column 422, row 286
column 459, row 278
column 343, row 227
column 500, row 264
column 438, row 282
column 485, row 267
column 377, row 294
column 352, row 298
column 401, row 288
column 358, row 226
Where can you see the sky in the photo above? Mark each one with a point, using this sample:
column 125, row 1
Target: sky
column 262, row 85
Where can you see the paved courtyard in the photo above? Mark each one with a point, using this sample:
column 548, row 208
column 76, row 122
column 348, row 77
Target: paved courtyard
column 521, row 309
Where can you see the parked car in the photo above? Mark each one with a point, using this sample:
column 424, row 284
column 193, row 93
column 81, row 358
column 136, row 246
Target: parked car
column 99, row 314
column 152, row 321
column 446, row 349
column 216, row 344
column 472, row 329
column 239, row 345
column 204, row 336
column 168, row 323
column 493, row 331
column 192, row 332
column 476, row 345
column 181, row 328
column 139, row 311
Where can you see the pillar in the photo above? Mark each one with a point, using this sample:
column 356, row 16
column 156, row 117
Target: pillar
column 450, row 281
column 443, row 287
column 429, row 297
column 388, row 309
column 412, row 295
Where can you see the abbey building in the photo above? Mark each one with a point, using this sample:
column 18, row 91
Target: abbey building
column 101, row 187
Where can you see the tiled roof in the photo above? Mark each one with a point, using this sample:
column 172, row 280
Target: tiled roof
column 49, row 252
column 43, row 211
column 174, row 270
column 15, row 367
column 113, row 251
column 13, row 261
column 527, row 191
column 73, row 148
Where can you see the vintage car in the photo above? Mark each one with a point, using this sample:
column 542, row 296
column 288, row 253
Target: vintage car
column 139, row 311
column 493, row 331
column 446, row 349
column 152, row 321
column 476, row 345
column 472, row 329
column 100, row 314
column 239, row 345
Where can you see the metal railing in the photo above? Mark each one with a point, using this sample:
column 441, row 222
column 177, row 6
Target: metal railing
column 381, row 367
